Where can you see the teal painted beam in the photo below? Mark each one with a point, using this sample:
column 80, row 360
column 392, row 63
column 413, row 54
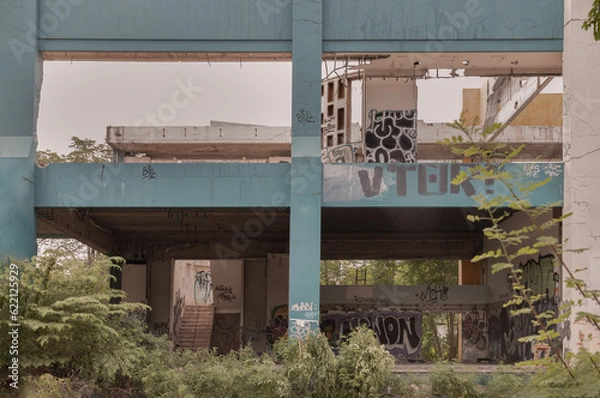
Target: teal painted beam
column 443, row 21
column 20, row 82
column 307, row 169
column 266, row 26
column 119, row 185
column 430, row 184
column 182, row 20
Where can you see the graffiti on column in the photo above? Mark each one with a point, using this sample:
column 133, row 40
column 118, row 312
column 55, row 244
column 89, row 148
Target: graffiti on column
column 203, row 292
column 400, row 332
column 391, row 136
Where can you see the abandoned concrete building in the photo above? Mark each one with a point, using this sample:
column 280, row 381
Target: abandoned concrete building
column 223, row 227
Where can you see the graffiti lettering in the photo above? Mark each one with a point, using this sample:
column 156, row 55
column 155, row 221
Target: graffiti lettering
column 305, row 117
column 360, row 299
column 400, row 332
column 148, row 173
column 540, row 276
column 433, row 294
column 224, row 293
column 203, row 292
column 303, row 306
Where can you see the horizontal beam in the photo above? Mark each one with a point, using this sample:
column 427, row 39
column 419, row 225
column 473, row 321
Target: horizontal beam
column 430, row 184
column 75, row 224
column 162, row 185
column 420, row 297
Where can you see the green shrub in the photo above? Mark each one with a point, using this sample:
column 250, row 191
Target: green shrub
column 310, row 366
column 446, row 382
column 363, row 365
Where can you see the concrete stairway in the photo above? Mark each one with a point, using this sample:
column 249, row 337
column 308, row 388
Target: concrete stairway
column 196, row 327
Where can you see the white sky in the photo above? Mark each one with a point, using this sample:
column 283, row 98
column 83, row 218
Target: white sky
column 83, row 98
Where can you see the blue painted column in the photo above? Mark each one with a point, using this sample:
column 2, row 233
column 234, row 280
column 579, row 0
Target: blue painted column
column 20, row 83
column 306, row 169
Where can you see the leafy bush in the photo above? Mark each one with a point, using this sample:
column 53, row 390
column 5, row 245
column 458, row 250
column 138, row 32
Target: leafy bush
column 69, row 321
column 446, row 382
column 310, row 366
column 363, row 365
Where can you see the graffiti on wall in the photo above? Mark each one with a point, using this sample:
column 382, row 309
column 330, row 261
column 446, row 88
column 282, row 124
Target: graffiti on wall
column 277, row 325
column 474, row 335
column 339, row 154
column 540, row 276
column 400, row 332
column 505, row 330
column 226, row 333
column 203, row 291
column 391, row 136
column 224, row 293
column 177, row 311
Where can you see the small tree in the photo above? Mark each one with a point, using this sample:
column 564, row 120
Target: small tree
column 593, row 20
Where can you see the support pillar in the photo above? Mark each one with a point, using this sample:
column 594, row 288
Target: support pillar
column 581, row 139
column 20, row 83
column 306, row 169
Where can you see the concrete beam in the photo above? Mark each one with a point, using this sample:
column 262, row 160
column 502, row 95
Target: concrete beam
column 414, row 297
column 161, row 185
column 78, row 225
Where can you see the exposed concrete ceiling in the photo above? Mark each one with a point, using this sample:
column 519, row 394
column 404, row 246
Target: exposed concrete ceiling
column 387, row 64
column 347, row 233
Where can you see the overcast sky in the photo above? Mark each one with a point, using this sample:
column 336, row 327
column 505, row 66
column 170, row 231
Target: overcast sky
column 83, row 98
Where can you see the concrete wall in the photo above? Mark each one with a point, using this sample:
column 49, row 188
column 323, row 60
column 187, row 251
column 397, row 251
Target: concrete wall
column 255, row 304
column 159, row 297
column 277, row 296
column 544, row 110
column 134, row 282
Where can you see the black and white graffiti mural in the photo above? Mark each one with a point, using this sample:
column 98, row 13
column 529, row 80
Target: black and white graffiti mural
column 203, row 291
column 400, row 332
column 391, row 136
column 541, row 277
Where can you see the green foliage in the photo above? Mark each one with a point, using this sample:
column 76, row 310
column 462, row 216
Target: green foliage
column 555, row 381
column 310, row 366
column 70, row 321
column 83, row 150
column 593, row 20
column 49, row 386
column 504, row 384
column 447, row 382
column 363, row 365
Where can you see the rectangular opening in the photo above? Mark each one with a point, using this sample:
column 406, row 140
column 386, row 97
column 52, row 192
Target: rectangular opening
column 330, row 92
column 340, row 138
column 341, row 89
column 329, row 110
column 330, row 140
column 341, row 118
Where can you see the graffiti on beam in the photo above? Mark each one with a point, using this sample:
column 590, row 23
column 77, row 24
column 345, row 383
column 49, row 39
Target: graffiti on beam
column 378, row 300
column 433, row 294
column 534, row 170
column 224, row 293
column 305, row 116
column 203, row 291
column 391, row 136
column 400, row 332
column 148, row 172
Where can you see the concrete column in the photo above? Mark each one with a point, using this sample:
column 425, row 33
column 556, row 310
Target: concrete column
column 581, row 137
column 20, row 83
column 306, row 168
column 159, row 295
